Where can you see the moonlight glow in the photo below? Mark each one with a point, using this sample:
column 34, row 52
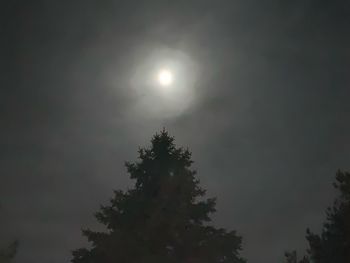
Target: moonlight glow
column 165, row 77
column 164, row 83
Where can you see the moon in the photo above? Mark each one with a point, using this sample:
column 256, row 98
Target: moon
column 165, row 77
column 163, row 84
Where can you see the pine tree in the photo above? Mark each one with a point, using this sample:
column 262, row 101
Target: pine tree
column 163, row 218
column 333, row 245
column 291, row 257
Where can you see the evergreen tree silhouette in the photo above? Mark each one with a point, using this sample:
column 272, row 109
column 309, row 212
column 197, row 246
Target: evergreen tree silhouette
column 291, row 257
column 163, row 218
column 333, row 245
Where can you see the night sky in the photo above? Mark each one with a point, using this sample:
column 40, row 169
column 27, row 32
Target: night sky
column 265, row 112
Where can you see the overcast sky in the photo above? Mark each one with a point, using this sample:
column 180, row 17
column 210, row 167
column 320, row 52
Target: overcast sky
column 265, row 112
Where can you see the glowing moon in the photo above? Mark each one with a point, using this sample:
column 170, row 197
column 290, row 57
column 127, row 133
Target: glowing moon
column 163, row 84
column 165, row 77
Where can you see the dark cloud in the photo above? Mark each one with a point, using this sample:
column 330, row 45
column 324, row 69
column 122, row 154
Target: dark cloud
column 268, row 129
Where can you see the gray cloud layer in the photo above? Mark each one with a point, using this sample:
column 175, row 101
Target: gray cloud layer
column 268, row 129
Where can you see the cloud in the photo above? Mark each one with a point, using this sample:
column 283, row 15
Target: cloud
column 267, row 126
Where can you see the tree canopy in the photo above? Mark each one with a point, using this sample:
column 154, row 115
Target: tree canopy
column 165, row 217
column 333, row 244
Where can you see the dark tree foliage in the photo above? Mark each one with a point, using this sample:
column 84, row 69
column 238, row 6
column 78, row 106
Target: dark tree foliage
column 7, row 254
column 333, row 245
column 164, row 218
column 291, row 257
